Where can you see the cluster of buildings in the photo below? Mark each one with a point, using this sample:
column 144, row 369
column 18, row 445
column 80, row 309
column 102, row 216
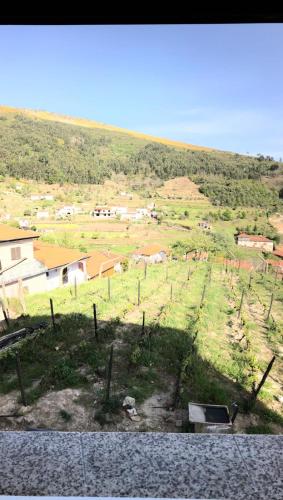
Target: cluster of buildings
column 33, row 266
column 123, row 213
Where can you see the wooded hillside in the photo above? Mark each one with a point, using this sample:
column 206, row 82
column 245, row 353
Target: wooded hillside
column 51, row 151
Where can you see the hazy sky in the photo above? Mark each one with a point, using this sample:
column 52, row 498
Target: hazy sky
column 213, row 85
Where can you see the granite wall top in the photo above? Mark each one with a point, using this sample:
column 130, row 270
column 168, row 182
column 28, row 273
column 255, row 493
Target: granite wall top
column 155, row 465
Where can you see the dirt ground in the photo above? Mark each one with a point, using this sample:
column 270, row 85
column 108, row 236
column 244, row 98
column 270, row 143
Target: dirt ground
column 154, row 415
column 277, row 222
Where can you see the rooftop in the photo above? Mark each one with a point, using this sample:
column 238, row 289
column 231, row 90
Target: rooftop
column 8, row 233
column 279, row 251
column 54, row 256
column 151, row 250
column 101, row 261
column 21, row 270
column 254, row 237
column 141, row 465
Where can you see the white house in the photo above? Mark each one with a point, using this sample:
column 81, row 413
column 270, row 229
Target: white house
column 24, row 224
column 18, row 267
column 255, row 241
column 119, row 210
column 152, row 254
column 66, row 211
column 65, row 266
column 103, row 213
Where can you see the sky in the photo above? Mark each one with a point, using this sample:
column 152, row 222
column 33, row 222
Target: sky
column 219, row 86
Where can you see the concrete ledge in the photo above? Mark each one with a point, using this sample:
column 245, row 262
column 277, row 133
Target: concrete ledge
column 156, row 465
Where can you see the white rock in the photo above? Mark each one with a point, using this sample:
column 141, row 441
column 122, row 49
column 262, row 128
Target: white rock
column 128, row 401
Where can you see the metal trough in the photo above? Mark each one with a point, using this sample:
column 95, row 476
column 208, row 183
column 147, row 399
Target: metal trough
column 212, row 418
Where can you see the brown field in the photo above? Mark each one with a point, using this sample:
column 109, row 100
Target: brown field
column 277, row 222
column 181, row 187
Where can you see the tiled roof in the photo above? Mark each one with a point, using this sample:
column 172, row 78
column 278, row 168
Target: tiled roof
column 8, row 233
column 254, row 237
column 151, row 250
column 275, row 263
column 279, row 251
column 53, row 256
column 101, row 262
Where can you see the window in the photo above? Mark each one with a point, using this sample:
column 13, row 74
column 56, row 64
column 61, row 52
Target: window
column 15, row 253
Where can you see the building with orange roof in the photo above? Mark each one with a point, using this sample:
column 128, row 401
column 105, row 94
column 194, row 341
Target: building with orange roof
column 279, row 251
column 103, row 264
column 19, row 270
column 255, row 241
column 151, row 254
column 65, row 266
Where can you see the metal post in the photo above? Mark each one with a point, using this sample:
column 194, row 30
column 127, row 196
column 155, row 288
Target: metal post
column 52, row 314
column 145, row 270
column 202, row 297
column 75, row 285
column 143, row 322
column 20, row 380
column 5, row 316
column 109, row 374
column 95, row 322
column 250, row 280
column 171, row 291
column 254, row 395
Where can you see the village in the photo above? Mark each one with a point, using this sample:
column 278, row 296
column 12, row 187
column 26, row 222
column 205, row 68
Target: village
column 122, row 260
column 30, row 263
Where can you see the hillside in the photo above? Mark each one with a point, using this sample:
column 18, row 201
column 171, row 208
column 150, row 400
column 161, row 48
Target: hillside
column 46, row 147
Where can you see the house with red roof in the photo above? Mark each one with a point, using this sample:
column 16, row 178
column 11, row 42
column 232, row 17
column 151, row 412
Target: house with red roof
column 17, row 262
column 101, row 264
column 151, row 254
column 255, row 241
column 279, row 251
column 64, row 266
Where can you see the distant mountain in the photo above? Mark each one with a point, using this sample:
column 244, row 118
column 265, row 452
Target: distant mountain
column 53, row 148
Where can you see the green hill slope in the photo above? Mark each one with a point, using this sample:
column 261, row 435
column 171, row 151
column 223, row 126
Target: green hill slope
column 46, row 147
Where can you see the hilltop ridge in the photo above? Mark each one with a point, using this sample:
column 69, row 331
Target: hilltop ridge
column 84, row 122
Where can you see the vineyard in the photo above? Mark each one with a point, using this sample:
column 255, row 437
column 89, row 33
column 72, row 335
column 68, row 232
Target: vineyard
column 197, row 331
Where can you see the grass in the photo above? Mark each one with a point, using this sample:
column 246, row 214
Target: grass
column 214, row 369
